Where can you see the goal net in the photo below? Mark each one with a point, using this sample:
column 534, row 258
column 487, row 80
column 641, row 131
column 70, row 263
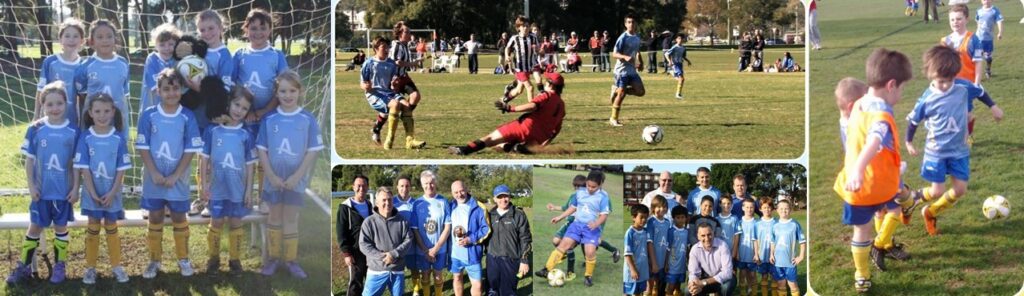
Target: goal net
column 28, row 34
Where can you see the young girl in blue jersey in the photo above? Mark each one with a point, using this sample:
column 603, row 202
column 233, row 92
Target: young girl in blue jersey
column 288, row 141
column 590, row 211
column 168, row 138
column 62, row 67
column 219, row 63
column 101, row 158
column 658, row 227
column 786, row 235
column 257, row 65
column 164, row 38
column 104, row 71
column 49, row 144
column 762, row 243
column 228, row 151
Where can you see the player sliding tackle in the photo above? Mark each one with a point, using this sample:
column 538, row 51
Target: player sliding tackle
column 541, row 123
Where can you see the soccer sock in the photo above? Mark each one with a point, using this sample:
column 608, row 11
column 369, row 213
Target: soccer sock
column 28, row 249
column 291, row 246
column 181, row 239
column 415, row 282
column 92, row 244
column 926, row 194
column 884, row 238
column 235, row 243
column 781, row 290
column 410, row 126
column 795, row 292
column 764, row 287
column 60, row 245
column 570, row 257
column 861, row 251
column 556, row 256
column 615, row 113
column 113, row 244
column 156, row 233
column 438, row 287
column 274, row 233
column 213, row 241
column 905, row 198
column 944, row 203
column 474, row 146
column 878, row 223
column 425, row 282
column 392, row 128
column 679, row 88
column 591, row 265
column 607, row 246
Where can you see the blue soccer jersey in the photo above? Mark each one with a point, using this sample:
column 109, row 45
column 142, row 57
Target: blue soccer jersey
column 103, row 155
column 679, row 240
column 763, row 228
column 460, row 219
column 730, row 227
column 747, row 238
column 677, row 53
column 379, row 73
column 987, row 19
column 51, row 146
column 363, row 208
column 973, row 46
column 154, row 65
column 109, row 76
column 219, row 63
column 693, row 199
column 406, row 209
column 55, row 68
column 658, row 230
column 256, row 69
column 627, row 44
column 590, row 206
column 787, row 236
column 432, row 214
column 945, row 117
column 167, row 137
column 636, row 246
column 879, row 128
column 229, row 149
column 287, row 137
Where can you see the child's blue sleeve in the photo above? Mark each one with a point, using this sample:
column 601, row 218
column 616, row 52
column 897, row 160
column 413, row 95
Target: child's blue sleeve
column 81, row 160
column 315, row 141
column 250, row 149
column 142, row 133
column 124, row 159
column 193, row 141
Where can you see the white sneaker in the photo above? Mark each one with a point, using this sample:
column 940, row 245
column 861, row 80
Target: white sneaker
column 206, row 213
column 151, row 270
column 145, row 214
column 120, row 274
column 186, row 267
column 197, row 207
column 90, row 276
column 614, row 122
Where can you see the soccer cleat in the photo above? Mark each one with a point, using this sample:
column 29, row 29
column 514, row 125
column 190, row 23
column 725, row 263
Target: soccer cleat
column 616, row 256
column 907, row 212
column 151, row 270
column 186, row 267
column 205, row 213
column 862, row 285
column 213, row 265
column 898, row 252
column 270, row 267
column 197, row 207
column 588, row 281
column 411, row 143
column 296, row 270
column 375, row 137
column 59, row 272
column 456, row 150
column 679, row 96
column 20, row 273
column 389, row 141
column 569, row 276
column 878, row 258
column 235, row 266
column 543, row 273
column 120, row 274
column 970, row 141
column 614, row 122
column 929, row 222
column 90, row 276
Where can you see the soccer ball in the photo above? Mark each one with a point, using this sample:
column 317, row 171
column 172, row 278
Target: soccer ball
column 192, row 68
column 652, row 134
column 556, row 278
column 996, row 207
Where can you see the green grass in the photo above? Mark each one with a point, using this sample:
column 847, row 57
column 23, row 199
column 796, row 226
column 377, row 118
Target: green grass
column 970, row 255
column 554, row 186
column 721, row 107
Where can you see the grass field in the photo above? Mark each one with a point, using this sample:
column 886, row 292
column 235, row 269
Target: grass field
column 725, row 114
column 971, row 256
column 554, row 186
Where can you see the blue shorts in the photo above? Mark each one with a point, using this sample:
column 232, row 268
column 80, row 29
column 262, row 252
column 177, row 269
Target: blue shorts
column 626, row 78
column 104, row 215
column 379, row 101
column 936, row 171
column 784, row 273
column 765, row 268
column 675, row 278
column 987, row 47
column 45, row 212
column 634, row 288
column 579, row 232
column 412, row 261
column 225, row 208
column 657, row 276
column 422, row 264
column 156, row 204
column 287, row 197
column 474, row 271
column 747, row 266
column 677, row 70
column 376, row 283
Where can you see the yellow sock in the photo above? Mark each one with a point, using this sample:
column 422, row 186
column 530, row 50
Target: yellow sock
column 590, row 265
column 878, row 223
column 781, row 291
column 392, row 128
column 944, row 203
column 860, row 260
column 213, row 241
column 291, row 247
column 679, row 88
column 439, row 289
column 410, row 126
column 181, row 240
column 154, row 239
column 425, row 283
column 926, row 194
column 795, row 292
column 884, row 238
column 92, row 244
column 764, row 287
column 556, row 256
column 113, row 244
column 235, row 243
column 415, row 279
column 274, row 235
column 615, row 113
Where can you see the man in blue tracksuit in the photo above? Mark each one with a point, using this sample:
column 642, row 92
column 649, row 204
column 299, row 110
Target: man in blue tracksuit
column 470, row 228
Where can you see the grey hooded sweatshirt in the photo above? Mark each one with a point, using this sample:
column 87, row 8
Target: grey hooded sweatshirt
column 379, row 235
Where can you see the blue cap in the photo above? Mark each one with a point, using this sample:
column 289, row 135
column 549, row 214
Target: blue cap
column 501, row 189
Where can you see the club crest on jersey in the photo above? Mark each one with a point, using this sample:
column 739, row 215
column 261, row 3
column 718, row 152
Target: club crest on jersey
column 431, row 227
